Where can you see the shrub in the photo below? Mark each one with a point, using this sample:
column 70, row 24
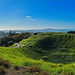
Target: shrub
column 17, row 37
column 2, row 70
column 72, row 32
column 16, row 67
column 10, row 43
column 32, row 69
column 44, row 73
column 35, row 33
column 4, row 63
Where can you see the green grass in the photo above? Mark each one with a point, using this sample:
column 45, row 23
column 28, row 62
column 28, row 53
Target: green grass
column 34, row 37
column 30, row 39
column 53, row 47
column 49, row 53
column 14, row 56
column 13, row 45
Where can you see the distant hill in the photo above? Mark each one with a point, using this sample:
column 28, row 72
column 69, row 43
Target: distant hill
column 40, row 30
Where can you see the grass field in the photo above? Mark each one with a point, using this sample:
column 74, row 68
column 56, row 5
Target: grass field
column 56, row 60
column 14, row 56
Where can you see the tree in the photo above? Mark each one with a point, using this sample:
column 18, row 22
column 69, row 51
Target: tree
column 10, row 43
column 72, row 32
column 18, row 37
column 26, row 35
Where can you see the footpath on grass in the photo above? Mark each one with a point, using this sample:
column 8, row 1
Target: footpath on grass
column 18, row 45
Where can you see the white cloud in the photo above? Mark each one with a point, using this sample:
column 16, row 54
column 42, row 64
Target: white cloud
column 30, row 18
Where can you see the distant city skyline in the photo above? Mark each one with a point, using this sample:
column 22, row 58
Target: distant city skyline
column 37, row 14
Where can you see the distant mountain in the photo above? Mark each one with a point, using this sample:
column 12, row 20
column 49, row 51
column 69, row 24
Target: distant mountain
column 41, row 30
column 51, row 30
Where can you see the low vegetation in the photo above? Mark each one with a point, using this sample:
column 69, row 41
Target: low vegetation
column 53, row 53
column 7, row 69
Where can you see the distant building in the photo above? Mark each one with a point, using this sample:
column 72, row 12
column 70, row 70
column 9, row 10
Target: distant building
column 18, row 32
column 2, row 34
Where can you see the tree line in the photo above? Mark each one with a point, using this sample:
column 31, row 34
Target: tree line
column 13, row 38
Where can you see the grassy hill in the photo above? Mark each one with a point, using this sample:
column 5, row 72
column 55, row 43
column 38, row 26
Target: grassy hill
column 54, row 47
column 54, row 52
column 16, row 57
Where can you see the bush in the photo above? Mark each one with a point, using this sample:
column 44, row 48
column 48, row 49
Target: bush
column 16, row 67
column 2, row 70
column 44, row 73
column 26, row 35
column 10, row 43
column 72, row 32
column 4, row 63
column 35, row 33
column 32, row 69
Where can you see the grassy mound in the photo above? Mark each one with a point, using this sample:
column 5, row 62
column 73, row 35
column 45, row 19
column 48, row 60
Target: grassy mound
column 58, row 49
column 55, row 48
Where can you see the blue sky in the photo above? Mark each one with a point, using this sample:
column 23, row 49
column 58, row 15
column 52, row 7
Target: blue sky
column 37, row 14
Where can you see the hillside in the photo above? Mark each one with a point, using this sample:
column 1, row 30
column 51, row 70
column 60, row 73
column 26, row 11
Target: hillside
column 15, row 57
column 54, row 52
column 55, row 47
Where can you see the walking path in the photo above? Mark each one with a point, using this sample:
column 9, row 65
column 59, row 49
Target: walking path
column 18, row 45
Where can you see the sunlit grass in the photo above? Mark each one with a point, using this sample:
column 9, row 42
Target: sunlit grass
column 14, row 56
column 26, row 56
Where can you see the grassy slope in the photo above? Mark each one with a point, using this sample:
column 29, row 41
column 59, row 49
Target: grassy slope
column 17, row 53
column 34, row 37
column 25, row 56
column 53, row 46
column 28, row 40
column 14, row 56
column 57, row 48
